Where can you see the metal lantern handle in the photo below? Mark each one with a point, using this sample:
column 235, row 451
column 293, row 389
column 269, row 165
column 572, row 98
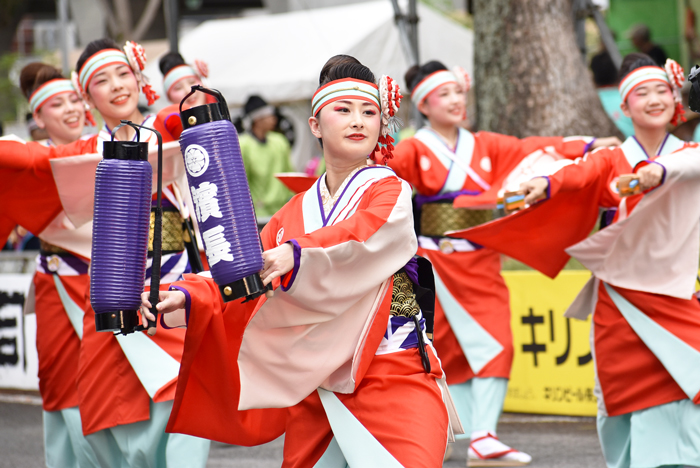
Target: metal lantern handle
column 212, row 92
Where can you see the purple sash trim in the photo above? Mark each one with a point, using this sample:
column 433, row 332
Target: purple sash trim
column 450, row 196
column 165, row 202
column 411, row 269
column 79, row 265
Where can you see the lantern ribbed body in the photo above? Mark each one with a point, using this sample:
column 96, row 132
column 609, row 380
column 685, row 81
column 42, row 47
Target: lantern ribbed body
column 225, row 171
column 120, row 234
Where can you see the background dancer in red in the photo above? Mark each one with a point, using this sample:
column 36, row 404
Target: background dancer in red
column 443, row 161
column 59, row 283
column 340, row 343
column 125, row 400
column 646, row 320
column 179, row 77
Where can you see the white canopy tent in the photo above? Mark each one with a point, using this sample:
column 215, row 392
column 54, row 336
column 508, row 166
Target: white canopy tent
column 280, row 56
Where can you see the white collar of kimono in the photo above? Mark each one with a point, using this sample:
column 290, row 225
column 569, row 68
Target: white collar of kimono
column 430, row 83
column 347, row 88
column 345, row 206
column 640, row 76
column 48, row 90
column 457, row 161
column 176, row 74
column 634, row 153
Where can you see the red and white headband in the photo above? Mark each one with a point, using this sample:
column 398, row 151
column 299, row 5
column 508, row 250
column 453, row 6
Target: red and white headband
column 133, row 55
column 49, row 90
column 199, row 71
column 671, row 74
column 433, row 81
column 386, row 97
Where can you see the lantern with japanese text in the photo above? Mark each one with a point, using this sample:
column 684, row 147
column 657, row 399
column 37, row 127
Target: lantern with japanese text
column 221, row 196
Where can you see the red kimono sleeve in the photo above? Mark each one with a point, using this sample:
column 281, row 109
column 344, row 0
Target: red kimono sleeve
column 168, row 123
column 506, row 152
column 540, row 235
column 28, row 191
column 206, row 400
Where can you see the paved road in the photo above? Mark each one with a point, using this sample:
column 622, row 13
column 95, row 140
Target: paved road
column 553, row 442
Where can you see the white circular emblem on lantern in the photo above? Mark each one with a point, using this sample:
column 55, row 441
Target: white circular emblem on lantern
column 280, row 235
column 196, row 160
column 425, row 163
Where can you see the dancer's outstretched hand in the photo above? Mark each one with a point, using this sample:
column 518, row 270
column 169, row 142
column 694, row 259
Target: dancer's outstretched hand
column 534, row 189
column 650, row 176
column 277, row 262
column 169, row 301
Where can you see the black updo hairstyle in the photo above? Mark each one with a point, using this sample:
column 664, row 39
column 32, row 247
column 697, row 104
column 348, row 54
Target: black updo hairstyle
column 93, row 48
column 633, row 61
column 417, row 73
column 169, row 61
column 36, row 74
column 340, row 67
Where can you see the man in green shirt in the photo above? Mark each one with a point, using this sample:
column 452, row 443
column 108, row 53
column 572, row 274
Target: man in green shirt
column 265, row 153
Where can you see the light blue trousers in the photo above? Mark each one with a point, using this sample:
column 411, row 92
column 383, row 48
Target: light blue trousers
column 479, row 404
column 666, row 435
column 145, row 444
column 64, row 443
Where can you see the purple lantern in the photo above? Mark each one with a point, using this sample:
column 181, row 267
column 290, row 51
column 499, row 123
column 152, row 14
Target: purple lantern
column 222, row 202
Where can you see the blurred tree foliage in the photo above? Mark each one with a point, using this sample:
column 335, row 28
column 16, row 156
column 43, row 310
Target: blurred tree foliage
column 447, row 8
column 10, row 95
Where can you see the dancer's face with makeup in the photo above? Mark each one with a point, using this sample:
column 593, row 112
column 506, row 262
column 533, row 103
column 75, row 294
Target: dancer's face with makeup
column 63, row 118
column 114, row 92
column 445, row 105
column 349, row 128
column 650, row 105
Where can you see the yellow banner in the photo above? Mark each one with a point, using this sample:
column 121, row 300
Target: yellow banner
column 552, row 367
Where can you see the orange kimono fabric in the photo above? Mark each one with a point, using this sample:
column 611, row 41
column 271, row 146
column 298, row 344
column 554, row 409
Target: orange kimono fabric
column 57, row 343
column 413, row 432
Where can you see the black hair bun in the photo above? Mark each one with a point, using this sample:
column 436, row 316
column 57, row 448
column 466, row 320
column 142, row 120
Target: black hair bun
column 169, row 61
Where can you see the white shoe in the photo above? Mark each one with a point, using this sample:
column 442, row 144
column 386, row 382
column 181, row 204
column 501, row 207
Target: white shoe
column 486, row 450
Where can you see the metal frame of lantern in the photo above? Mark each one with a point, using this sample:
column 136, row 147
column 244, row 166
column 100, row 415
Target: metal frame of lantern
column 120, row 233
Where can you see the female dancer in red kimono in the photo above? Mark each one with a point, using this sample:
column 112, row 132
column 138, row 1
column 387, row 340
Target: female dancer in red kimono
column 340, row 344
column 444, row 163
column 646, row 320
column 124, row 400
column 59, row 283
column 179, row 77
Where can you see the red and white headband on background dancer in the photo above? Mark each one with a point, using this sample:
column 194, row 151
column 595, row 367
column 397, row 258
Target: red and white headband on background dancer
column 133, row 55
column 671, row 74
column 180, row 72
column 386, row 97
column 433, row 81
column 51, row 89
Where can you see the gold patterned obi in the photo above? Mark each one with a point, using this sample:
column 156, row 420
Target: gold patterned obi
column 438, row 218
column 173, row 232
column 50, row 249
column 403, row 300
